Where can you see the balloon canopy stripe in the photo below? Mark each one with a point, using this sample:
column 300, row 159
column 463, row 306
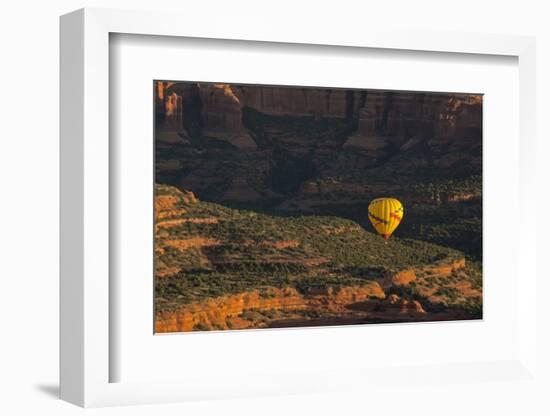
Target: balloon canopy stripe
column 377, row 218
column 395, row 216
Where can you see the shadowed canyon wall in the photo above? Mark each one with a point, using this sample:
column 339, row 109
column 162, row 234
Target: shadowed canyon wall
column 379, row 118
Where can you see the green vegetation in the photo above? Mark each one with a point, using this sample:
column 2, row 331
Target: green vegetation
column 257, row 251
column 445, row 211
column 473, row 272
column 468, row 185
column 449, row 292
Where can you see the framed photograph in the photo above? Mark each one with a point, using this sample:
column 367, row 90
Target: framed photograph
column 282, row 213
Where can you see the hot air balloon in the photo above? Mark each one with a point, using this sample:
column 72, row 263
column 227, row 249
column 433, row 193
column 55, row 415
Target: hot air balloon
column 385, row 214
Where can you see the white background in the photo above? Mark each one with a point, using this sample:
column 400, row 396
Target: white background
column 29, row 209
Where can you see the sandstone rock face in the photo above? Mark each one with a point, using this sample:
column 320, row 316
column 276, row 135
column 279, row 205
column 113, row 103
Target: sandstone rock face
column 405, row 120
column 165, row 205
column 171, row 131
column 217, row 313
column 445, row 269
column 400, row 278
column 385, row 122
column 213, row 313
column 296, row 101
column 221, row 109
column 396, row 306
column 222, row 115
column 377, row 114
column 172, row 102
column 217, row 108
column 185, row 109
column 165, row 202
column 404, row 277
column 193, row 242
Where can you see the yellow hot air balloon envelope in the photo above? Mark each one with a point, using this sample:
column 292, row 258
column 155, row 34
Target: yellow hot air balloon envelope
column 385, row 214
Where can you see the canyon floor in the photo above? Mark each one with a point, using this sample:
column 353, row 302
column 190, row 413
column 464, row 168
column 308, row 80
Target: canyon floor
column 222, row 268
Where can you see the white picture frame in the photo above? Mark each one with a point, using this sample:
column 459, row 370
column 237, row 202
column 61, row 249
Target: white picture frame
column 85, row 211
